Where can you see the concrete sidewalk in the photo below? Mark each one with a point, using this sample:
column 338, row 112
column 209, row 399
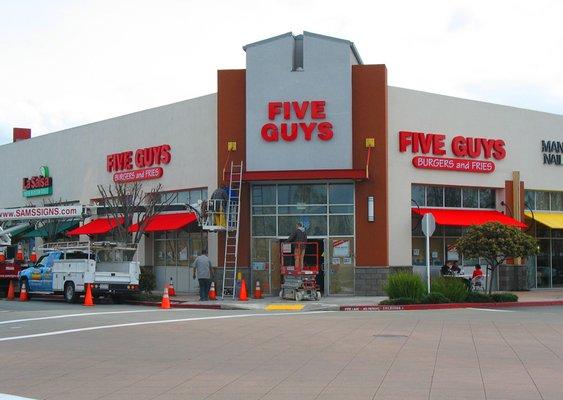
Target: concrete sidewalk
column 330, row 303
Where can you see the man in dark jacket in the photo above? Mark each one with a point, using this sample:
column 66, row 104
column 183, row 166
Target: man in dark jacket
column 299, row 237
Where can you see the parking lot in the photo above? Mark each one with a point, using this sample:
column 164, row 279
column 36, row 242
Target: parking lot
column 52, row 350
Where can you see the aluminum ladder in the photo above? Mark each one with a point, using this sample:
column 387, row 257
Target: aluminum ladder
column 232, row 231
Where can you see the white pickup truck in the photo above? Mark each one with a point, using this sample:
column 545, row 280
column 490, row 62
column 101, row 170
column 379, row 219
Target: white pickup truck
column 66, row 268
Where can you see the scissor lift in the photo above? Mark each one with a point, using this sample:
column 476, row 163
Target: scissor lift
column 300, row 283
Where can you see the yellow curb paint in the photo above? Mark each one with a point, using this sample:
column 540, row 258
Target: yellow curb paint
column 294, row 307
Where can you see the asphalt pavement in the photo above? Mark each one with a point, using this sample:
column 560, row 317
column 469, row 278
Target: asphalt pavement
column 53, row 350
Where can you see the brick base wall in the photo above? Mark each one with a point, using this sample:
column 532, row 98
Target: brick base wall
column 369, row 281
column 511, row 277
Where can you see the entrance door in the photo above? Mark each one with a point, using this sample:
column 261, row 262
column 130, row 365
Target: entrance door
column 341, row 265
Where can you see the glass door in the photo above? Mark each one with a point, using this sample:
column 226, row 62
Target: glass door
column 341, row 265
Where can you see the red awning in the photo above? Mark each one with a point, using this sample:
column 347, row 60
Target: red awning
column 468, row 217
column 167, row 222
column 97, row 226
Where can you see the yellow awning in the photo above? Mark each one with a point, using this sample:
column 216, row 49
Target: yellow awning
column 552, row 220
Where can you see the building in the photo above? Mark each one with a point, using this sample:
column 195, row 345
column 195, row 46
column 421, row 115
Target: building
column 326, row 142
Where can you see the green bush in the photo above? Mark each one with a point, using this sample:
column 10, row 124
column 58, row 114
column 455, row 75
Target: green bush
column 147, row 280
column 452, row 288
column 435, row 298
column 397, row 301
column 405, row 285
column 476, row 297
column 504, row 297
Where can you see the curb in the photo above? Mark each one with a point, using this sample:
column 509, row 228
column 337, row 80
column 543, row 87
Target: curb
column 409, row 307
column 174, row 305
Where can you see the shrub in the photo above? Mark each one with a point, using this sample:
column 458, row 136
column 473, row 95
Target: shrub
column 147, row 280
column 452, row 288
column 476, row 297
column 397, row 301
column 504, row 297
column 435, row 298
column 405, row 285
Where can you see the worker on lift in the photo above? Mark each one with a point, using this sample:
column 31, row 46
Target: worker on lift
column 299, row 238
column 219, row 200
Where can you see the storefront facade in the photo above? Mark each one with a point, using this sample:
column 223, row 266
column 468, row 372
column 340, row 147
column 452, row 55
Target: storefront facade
column 326, row 142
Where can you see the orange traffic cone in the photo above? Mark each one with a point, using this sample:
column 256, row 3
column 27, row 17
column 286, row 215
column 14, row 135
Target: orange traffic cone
column 242, row 295
column 165, row 299
column 33, row 256
column 2, row 256
column 257, row 291
column 171, row 291
column 212, row 293
column 19, row 253
column 88, row 300
column 11, row 294
column 23, row 293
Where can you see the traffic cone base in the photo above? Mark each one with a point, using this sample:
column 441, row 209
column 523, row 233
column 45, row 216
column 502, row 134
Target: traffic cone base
column 165, row 299
column 212, row 293
column 257, row 291
column 23, row 293
column 243, row 296
column 88, row 300
column 11, row 294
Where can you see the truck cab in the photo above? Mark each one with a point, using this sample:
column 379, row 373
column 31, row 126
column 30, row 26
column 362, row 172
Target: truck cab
column 39, row 277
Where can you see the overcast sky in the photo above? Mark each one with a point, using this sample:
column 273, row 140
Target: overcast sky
column 67, row 63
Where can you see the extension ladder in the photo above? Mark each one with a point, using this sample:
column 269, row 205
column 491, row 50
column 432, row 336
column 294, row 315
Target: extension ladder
column 232, row 231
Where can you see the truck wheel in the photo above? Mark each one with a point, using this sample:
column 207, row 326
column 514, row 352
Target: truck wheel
column 70, row 293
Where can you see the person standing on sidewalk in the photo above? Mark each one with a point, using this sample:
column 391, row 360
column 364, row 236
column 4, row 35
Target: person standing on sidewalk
column 204, row 274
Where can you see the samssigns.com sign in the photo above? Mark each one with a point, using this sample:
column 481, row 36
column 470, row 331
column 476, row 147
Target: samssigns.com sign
column 10, row 214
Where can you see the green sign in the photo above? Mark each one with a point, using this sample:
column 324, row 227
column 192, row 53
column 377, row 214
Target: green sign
column 41, row 185
column 46, row 191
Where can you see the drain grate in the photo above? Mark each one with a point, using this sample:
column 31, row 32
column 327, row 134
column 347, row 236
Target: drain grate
column 390, row 336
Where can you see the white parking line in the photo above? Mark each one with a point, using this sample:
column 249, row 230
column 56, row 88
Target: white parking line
column 14, row 321
column 164, row 321
column 488, row 309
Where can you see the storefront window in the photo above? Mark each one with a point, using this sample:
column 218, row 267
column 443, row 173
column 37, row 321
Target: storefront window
column 435, row 196
column 557, row 262
column 263, row 195
column 542, row 200
column 487, row 198
column 543, row 274
column 315, row 225
column 178, row 248
column 470, row 198
column 452, row 197
column 530, row 199
column 302, row 209
column 341, row 225
column 417, row 194
column 341, row 193
column 264, row 226
column 302, row 194
column 556, row 201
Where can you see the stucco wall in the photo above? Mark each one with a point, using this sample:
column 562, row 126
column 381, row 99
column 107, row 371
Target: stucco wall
column 76, row 157
column 522, row 130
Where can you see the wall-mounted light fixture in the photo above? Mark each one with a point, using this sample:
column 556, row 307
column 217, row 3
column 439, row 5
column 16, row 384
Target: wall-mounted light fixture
column 231, row 146
column 371, row 208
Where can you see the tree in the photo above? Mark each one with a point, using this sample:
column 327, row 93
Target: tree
column 496, row 243
column 129, row 200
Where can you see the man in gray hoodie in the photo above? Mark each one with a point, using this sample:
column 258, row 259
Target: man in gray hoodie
column 299, row 237
column 204, row 273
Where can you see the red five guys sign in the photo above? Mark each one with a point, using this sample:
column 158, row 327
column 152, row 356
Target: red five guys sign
column 472, row 154
column 141, row 164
